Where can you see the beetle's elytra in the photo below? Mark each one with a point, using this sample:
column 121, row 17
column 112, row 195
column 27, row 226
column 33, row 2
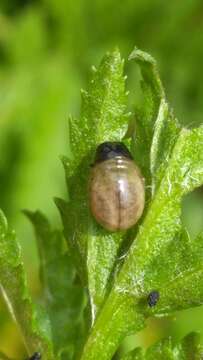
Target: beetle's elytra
column 117, row 193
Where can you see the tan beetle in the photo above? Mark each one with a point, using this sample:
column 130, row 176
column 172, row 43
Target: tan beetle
column 117, row 194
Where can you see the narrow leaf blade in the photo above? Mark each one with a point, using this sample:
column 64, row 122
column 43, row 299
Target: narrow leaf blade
column 36, row 334
column 136, row 354
column 145, row 117
column 64, row 300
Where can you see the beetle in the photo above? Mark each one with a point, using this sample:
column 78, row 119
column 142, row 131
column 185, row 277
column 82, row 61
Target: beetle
column 116, row 187
column 35, row 356
column 153, row 298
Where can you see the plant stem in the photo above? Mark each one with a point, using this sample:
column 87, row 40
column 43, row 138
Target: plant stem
column 118, row 319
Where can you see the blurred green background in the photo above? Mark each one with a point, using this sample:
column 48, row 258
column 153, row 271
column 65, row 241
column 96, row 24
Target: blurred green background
column 46, row 50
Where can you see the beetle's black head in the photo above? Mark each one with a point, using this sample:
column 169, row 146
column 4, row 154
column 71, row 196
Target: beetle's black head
column 109, row 150
column 153, row 298
column 35, row 356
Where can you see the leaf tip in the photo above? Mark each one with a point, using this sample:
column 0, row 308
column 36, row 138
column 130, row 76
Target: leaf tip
column 61, row 204
column 141, row 56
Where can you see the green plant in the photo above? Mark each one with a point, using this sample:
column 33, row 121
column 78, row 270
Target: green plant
column 96, row 289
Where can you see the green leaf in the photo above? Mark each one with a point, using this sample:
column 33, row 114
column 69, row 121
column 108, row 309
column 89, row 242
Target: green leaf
column 118, row 318
column 156, row 129
column 67, row 214
column 174, row 259
column 64, row 300
column 145, row 117
column 136, row 354
column 103, row 118
column 34, row 329
column 190, row 348
column 161, row 350
column 103, row 115
column 166, row 132
column 184, row 287
column 161, row 224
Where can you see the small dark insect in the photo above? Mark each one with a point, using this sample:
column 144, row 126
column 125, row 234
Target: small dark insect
column 35, row 356
column 153, row 298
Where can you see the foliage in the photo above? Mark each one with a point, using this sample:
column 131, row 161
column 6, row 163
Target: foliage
column 119, row 270
column 63, row 299
column 188, row 349
column 32, row 322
